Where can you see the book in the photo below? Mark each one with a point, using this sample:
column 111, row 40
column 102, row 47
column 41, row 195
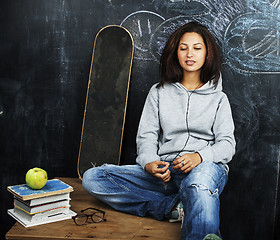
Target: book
column 42, row 207
column 52, row 218
column 36, row 207
column 42, row 215
column 43, row 200
column 52, row 187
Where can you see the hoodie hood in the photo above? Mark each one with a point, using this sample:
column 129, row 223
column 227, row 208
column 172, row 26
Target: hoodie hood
column 207, row 88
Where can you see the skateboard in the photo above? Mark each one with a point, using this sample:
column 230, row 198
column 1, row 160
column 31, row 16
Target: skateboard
column 106, row 99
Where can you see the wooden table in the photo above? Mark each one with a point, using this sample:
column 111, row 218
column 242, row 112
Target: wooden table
column 118, row 225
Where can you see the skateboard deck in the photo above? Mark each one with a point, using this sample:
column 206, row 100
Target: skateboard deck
column 106, row 100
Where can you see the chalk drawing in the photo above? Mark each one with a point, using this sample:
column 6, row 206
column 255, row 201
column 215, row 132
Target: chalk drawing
column 151, row 30
column 252, row 44
column 222, row 12
column 219, row 12
column 164, row 30
column 250, row 41
column 180, row 7
column 215, row 15
column 265, row 6
column 141, row 24
column 275, row 4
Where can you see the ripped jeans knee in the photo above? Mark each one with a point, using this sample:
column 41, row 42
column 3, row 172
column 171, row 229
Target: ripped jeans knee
column 199, row 192
column 201, row 207
column 200, row 196
column 200, row 187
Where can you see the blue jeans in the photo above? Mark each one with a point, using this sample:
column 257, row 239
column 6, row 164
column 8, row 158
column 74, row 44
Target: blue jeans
column 130, row 189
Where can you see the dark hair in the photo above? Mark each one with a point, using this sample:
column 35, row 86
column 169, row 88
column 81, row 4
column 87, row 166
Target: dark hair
column 171, row 70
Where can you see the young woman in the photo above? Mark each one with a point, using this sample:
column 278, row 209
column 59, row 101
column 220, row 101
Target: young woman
column 185, row 140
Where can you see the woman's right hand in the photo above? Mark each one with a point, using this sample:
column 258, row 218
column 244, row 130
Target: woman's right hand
column 159, row 169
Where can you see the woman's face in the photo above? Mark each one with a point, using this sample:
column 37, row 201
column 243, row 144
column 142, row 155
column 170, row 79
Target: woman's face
column 191, row 52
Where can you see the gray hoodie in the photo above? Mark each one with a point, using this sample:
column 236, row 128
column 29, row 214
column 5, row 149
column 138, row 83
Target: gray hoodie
column 176, row 121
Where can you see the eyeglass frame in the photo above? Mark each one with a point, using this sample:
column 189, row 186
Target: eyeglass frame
column 103, row 219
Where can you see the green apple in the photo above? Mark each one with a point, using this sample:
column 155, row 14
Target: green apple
column 36, row 178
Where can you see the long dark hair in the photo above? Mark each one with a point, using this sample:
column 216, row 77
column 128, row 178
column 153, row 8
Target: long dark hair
column 171, row 70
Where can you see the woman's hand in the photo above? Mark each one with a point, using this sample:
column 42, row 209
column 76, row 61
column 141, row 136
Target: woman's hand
column 159, row 169
column 187, row 162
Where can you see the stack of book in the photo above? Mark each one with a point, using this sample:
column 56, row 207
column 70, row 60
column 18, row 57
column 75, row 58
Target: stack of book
column 36, row 207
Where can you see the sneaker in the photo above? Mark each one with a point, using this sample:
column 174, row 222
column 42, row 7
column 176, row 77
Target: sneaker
column 212, row 237
column 177, row 215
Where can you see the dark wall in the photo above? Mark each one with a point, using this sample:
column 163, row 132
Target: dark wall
column 46, row 49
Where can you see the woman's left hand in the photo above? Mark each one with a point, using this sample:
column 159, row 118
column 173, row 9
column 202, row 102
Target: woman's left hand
column 187, row 162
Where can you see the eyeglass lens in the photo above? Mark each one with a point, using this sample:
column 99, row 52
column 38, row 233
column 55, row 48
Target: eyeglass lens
column 81, row 219
column 97, row 217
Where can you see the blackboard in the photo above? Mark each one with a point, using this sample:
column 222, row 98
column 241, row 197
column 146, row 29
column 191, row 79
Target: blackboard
column 46, row 51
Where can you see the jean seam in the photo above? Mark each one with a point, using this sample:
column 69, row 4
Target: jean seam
column 130, row 173
column 107, row 175
column 171, row 205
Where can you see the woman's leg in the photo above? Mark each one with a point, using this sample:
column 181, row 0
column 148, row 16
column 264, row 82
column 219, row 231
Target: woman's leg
column 199, row 192
column 130, row 189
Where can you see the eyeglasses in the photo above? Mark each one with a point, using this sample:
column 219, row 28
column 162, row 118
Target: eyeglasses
column 96, row 216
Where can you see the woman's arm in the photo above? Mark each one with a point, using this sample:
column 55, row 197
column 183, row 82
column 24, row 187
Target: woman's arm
column 148, row 130
column 223, row 148
column 147, row 139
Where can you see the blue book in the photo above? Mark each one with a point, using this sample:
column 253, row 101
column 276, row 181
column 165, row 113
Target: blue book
column 52, row 187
